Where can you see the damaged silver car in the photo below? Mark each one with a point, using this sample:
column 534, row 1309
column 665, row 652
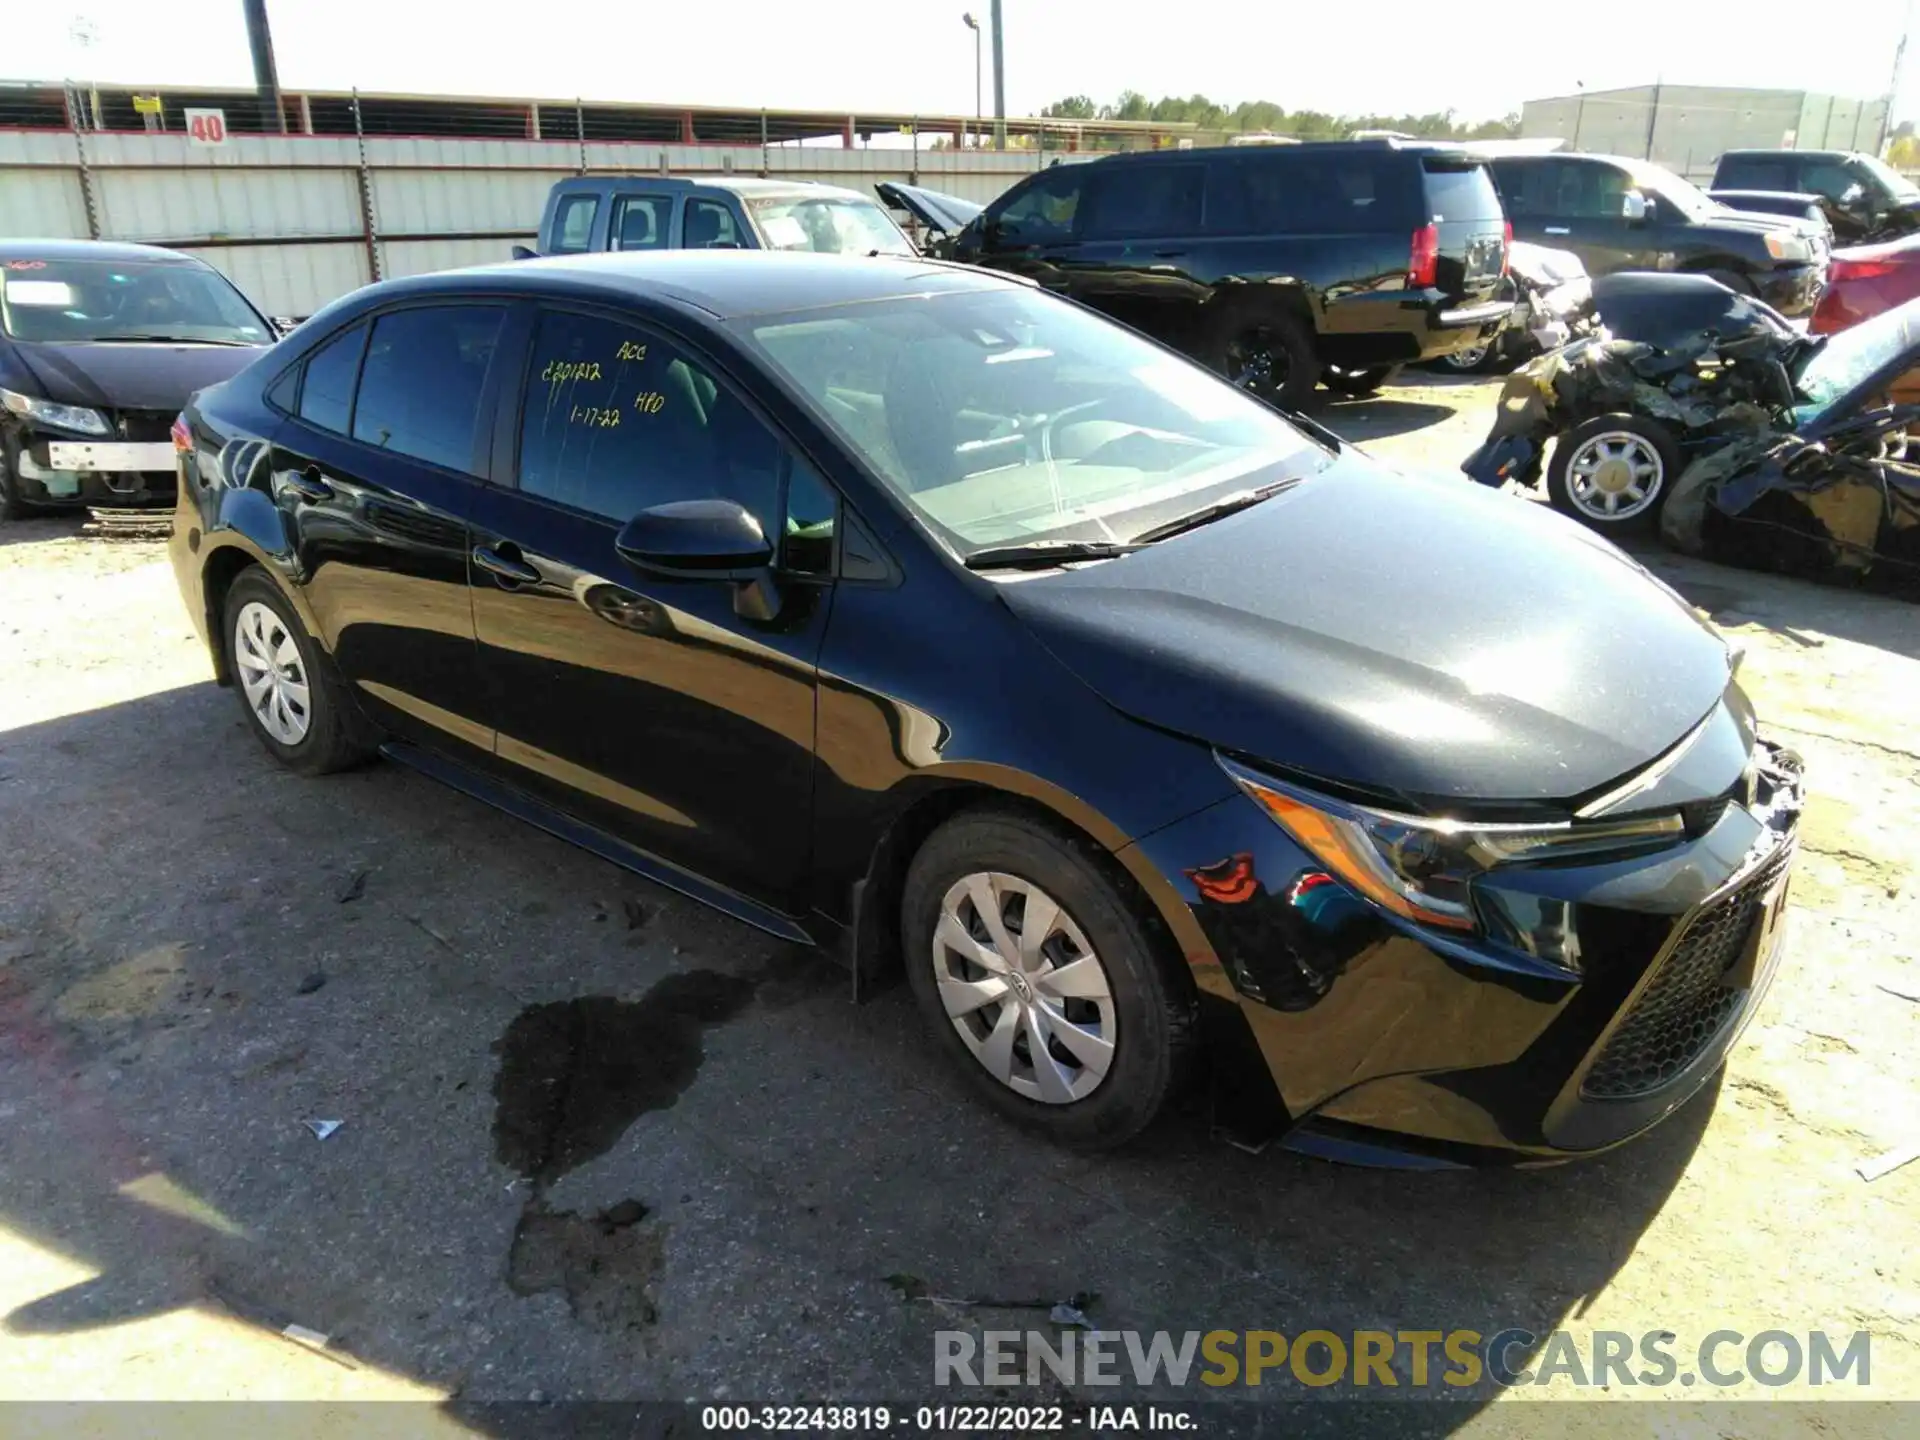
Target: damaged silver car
column 1553, row 305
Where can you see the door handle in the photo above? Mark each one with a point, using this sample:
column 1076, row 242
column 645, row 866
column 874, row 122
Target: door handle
column 1169, row 254
column 1558, row 230
column 510, row 569
column 309, row 484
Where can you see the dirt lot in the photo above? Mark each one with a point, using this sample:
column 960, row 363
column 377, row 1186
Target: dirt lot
column 198, row 953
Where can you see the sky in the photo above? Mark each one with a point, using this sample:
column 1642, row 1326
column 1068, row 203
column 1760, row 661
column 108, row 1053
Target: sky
column 1386, row 56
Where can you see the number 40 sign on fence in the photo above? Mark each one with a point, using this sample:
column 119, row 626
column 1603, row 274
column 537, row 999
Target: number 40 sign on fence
column 206, row 127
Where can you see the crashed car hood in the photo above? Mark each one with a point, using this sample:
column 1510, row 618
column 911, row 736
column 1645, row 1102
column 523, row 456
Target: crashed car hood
column 1418, row 637
column 145, row 376
column 943, row 214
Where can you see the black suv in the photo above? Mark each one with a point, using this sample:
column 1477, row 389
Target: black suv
column 1865, row 199
column 1279, row 266
column 1621, row 214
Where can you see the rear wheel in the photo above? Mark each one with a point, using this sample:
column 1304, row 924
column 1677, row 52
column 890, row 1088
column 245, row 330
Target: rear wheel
column 1474, row 360
column 295, row 703
column 1357, row 384
column 1039, row 981
column 1271, row 355
column 1613, row 473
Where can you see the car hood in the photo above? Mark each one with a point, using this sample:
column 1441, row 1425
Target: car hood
column 940, row 213
column 1410, row 636
column 130, row 376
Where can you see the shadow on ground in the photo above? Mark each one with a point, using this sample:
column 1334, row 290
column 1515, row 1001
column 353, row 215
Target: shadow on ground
column 598, row 1143
column 1359, row 421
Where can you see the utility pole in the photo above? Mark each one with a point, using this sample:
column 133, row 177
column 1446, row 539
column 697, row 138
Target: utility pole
column 999, row 80
column 1893, row 82
column 973, row 24
column 266, row 80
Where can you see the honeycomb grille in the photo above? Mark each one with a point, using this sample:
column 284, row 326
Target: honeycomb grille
column 1686, row 1005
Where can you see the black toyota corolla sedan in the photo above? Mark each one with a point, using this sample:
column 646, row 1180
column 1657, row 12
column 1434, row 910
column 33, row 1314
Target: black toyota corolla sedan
column 908, row 611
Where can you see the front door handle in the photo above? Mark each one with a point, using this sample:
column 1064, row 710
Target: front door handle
column 310, row 485
column 510, row 569
column 1558, row 230
column 1169, row 254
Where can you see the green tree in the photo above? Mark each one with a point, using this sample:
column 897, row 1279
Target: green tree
column 1074, row 107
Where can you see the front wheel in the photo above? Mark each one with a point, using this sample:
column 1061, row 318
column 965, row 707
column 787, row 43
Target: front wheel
column 1039, row 981
column 1613, row 473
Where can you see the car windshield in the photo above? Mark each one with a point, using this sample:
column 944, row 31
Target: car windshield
column 832, row 225
column 1670, row 189
column 1005, row 416
column 68, row 301
column 1898, row 185
column 1849, row 356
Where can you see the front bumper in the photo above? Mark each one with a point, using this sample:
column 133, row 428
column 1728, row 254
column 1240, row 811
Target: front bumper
column 57, row 470
column 1595, row 1000
column 1793, row 290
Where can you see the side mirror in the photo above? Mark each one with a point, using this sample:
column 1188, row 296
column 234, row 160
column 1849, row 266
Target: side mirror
column 521, row 252
column 705, row 540
column 1853, row 194
column 1633, row 207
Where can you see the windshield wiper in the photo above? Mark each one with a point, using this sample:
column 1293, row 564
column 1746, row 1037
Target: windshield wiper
column 1044, row 554
column 163, row 340
column 1240, row 500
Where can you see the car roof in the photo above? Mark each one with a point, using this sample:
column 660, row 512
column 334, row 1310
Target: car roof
column 92, row 250
column 1306, row 147
column 724, row 284
column 742, row 185
column 1797, row 154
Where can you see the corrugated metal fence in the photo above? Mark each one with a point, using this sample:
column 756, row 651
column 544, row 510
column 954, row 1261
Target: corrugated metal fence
column 299, row 220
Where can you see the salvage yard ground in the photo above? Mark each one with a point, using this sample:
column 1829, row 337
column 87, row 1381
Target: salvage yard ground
column 199, row 952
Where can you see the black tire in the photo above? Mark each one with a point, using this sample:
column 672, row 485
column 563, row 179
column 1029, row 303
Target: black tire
column 1269, row 352
column 1358, row 384
column 1637, row 517
column 12, row 507
column 1732, row 279
column 1154, row 1012
column 337, row 736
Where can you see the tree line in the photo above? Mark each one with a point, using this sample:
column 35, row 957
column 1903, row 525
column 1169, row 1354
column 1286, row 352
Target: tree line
column 1266, row 117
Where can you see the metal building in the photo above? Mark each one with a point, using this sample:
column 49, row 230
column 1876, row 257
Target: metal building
column 1688, row 127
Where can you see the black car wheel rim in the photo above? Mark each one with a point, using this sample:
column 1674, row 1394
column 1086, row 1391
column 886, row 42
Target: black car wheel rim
column 1255, row 361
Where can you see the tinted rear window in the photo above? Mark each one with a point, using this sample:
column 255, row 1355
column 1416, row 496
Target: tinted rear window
column 326, row 399
column 1461, row 192
column 1145, row 200
column 420, row 387
column 1328, row 193
column 1751, row 172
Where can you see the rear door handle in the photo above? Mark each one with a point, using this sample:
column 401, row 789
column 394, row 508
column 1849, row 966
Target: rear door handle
column 1558, row 230
column 310, row 485
column 511, row 569
column 1169, row 254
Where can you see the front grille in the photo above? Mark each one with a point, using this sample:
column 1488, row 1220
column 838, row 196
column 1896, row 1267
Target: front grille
column 146, row 426
column 1687, row 1005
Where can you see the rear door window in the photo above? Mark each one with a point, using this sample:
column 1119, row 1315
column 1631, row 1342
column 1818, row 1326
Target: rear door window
column 1754, row 172
column 640, row 222
column 326, row 395
column 421, row 384
column 1831, row 178
column 573, row 224
column 1460, row 192
column 1145, row 200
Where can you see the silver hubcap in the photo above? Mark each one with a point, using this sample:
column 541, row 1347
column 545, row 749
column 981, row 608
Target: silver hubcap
column 271, row 673
column 1468, row 358
column 1614, row 476
column 1024, row 988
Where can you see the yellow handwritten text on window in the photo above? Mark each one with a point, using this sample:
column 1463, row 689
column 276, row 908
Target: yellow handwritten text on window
column 560, row 370
column 649, row 402
column 594, row 416
column 631, row 351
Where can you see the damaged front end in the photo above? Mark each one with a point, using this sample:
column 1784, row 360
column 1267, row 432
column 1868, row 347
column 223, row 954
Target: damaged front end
column 1828, row 493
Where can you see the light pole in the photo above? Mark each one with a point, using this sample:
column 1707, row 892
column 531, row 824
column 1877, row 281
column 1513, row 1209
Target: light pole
column 974, row 26
column 999, row 78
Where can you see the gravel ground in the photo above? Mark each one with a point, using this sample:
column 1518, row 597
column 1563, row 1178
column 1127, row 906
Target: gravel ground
column 198, row 953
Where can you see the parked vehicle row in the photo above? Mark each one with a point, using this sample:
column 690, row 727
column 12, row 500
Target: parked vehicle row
column 1863, row 198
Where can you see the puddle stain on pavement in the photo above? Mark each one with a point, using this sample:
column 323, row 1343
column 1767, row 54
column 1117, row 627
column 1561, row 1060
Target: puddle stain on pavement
column 575, row 1074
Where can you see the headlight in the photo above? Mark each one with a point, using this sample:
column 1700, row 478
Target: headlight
column 1419, row 867
column 61, row 417
column 1783, row 246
